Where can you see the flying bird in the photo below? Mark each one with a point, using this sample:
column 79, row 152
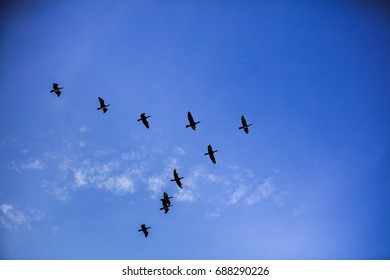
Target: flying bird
column 144, row 229
column 144, row 120
column 210, row 152
column 192, row 122
column 166, row 202
column 244, row 125
column 102, row 105
column 56, row 89
column 177, row 179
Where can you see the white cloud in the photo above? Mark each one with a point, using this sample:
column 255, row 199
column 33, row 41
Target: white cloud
column 95, row 172
column 236, row 196
column 172, row 163
column 155, row 185
column 121, row 184
column 60, row 193
column 263, row 191
column 214, row 214
column 180, row 151
column 185, row 195
column 80, row 177
column 13, row 218
column 83, row 129
column 34, row 164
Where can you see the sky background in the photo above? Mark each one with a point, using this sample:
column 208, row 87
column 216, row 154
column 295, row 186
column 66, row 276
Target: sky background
column 310, row 180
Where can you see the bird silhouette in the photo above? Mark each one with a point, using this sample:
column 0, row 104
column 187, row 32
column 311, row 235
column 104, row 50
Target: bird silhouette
column 56, row 89
column 177, row 179
column 144, row 229
column 166, row 202
column 192, row 122
column 244, row 125
column 102, row 105
column 210, row 152
column 144, row 120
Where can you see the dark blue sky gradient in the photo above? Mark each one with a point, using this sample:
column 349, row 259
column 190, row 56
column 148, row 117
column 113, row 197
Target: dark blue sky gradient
column 310, row 181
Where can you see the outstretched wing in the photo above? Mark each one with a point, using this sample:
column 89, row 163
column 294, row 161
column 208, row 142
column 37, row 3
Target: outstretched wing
column 190, row 118
column 101, row 101
column 243, row 121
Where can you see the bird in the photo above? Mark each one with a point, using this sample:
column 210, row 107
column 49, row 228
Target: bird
column 192, row 122
column 102, row 105
column 177, row 179
column 144, row 120
column 144, row 229
column 244, row 125
column 56, row 89
column 210, row 152
column 166, row 202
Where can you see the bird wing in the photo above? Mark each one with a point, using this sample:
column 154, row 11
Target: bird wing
column 101, row 101
column 243, row 121
column 190, row 118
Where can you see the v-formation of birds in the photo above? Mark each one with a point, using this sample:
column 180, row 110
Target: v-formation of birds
column 166, row 203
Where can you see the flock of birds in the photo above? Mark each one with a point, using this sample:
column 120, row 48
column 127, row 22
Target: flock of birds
column 166, row 203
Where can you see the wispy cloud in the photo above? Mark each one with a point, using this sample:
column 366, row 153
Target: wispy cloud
column 155, row 185
column 110, row 175
column 32, row 164
column 83, row 129
column 186, row 195
column 237, row 195
column 156, row 182
column 141, row 168
column 13, row 218
column 102, row 170
column 263, row 191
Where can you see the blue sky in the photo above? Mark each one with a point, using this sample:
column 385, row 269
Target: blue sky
column 310, row 181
